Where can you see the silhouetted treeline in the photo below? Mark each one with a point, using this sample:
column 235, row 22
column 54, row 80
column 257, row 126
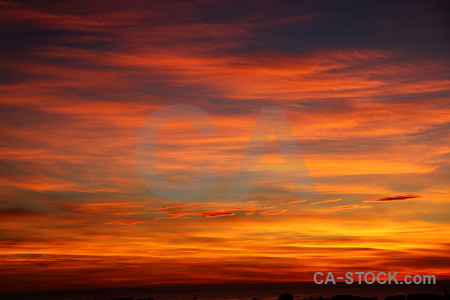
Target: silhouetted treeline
column 397, row 297
column 349, row 297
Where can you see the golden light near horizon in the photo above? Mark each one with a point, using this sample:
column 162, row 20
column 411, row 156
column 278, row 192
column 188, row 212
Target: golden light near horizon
column 357, row 111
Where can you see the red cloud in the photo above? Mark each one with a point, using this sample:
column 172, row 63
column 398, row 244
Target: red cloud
column 394, row 198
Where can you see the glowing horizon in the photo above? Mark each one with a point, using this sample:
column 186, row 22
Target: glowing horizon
column 367, row 100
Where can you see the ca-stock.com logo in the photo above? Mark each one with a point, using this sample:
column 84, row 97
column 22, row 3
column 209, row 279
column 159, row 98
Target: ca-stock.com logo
column 271, row 121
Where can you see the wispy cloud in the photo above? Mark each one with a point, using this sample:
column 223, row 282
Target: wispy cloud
column 395, row 198
column 370, row 113
column 326, row 201
column 344, row 207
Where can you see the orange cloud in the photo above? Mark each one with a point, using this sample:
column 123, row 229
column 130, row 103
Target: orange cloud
column 82, row 79
column 344, row 207
column 326, row 201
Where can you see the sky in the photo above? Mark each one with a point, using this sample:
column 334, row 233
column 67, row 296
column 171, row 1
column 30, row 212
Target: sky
column 363, row 85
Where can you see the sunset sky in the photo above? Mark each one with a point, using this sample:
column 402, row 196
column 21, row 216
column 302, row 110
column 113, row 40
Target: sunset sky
column 365, row 86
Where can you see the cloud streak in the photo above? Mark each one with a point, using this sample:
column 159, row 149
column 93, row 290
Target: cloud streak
column 366, row 101
column 395, row 198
